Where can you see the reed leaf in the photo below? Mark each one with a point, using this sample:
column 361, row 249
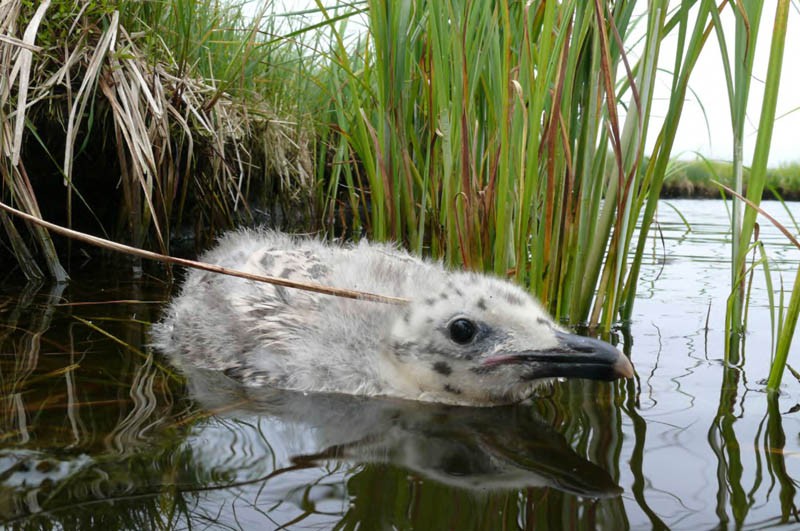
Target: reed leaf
column 738, row 85
column 686, row 57
column 758, row 172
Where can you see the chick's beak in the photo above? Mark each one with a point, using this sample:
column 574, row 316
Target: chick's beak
column 591, row 358
column 574, row 357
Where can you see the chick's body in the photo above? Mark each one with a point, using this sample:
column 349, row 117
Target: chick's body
column 464, row 338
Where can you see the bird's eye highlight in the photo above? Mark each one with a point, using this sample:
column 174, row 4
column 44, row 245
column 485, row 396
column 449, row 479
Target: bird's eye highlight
column 462, row 331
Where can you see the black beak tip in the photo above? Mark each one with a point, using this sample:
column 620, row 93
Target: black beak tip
column 592, row 352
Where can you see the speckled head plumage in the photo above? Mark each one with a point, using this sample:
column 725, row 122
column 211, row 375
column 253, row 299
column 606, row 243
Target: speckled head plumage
column 464, row 338
column 482, row 340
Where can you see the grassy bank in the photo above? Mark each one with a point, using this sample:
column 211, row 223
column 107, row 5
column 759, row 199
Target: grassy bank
column 693, row 179
column 143, row 119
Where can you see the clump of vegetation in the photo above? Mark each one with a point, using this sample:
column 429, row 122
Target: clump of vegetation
column 484, row 134
column 143, row 116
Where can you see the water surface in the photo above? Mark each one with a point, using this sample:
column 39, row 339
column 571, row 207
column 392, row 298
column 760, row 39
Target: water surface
column 98, row 430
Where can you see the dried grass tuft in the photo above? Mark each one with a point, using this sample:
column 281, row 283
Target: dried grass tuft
column 188, row 145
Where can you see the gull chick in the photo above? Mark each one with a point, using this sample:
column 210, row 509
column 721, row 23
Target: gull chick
column 463, row 338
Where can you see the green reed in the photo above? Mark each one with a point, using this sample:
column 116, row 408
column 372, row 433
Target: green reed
column 760, row 157
column 490, row 135
column 484, row 133
column 743, row 222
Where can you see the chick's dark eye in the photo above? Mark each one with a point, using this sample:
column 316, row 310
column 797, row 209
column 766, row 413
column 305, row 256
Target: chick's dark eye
column 462, row 331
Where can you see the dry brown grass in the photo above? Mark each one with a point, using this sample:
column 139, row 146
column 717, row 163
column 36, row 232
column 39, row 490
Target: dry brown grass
column 184, row 146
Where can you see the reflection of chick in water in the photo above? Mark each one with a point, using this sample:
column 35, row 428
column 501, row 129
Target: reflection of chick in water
column 463, row 338
column 472, row 448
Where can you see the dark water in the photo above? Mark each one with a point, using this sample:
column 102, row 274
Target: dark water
column 97, row 431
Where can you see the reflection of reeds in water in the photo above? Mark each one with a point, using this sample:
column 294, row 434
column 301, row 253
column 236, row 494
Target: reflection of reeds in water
column 25, row 351
column 78, row 414
column 29, row 371
column 735, row 498
column 144, row 413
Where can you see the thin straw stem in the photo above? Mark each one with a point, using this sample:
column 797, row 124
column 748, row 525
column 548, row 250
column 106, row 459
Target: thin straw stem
column 114, row 246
